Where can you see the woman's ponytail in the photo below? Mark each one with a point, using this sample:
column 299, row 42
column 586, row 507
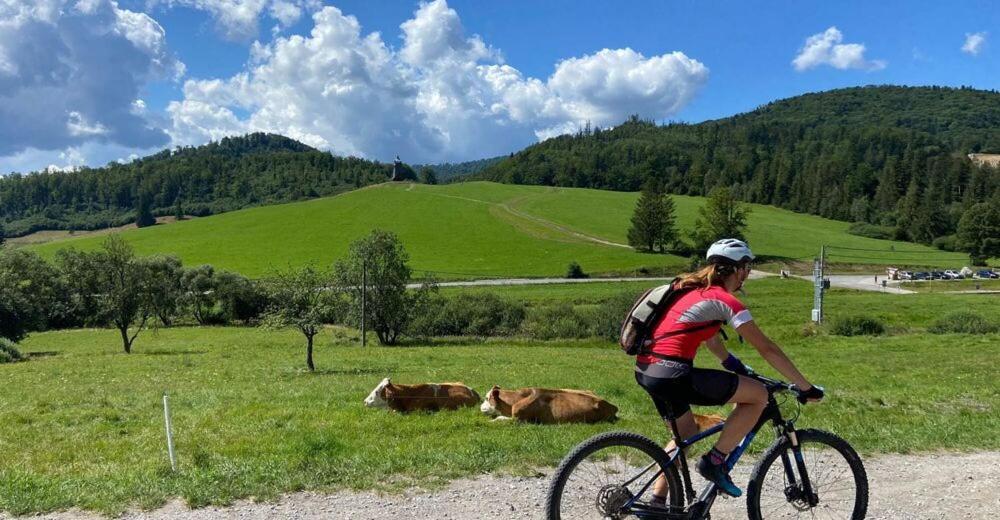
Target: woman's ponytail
column 712, row 274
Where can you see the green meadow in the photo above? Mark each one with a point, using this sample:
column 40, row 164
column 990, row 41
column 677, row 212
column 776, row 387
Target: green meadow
column 81, row 424
column 482, row 229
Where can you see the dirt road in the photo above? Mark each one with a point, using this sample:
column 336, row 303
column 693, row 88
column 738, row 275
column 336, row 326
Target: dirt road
column 903, row 487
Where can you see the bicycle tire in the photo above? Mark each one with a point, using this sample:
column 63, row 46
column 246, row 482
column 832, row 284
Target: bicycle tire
column 806, row 437
column 553, row 500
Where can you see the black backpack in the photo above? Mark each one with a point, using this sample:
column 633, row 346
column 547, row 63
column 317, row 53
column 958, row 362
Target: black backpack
column 637, row 329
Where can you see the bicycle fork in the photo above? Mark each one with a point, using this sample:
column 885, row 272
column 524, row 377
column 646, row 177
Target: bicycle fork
column 794, row 486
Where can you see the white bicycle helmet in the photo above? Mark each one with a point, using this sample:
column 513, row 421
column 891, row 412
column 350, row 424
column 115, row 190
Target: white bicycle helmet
column 729, row 250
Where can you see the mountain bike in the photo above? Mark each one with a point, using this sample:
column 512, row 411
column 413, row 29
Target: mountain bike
column 804, row 473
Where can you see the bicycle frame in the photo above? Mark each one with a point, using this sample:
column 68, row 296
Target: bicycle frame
column 698, row 506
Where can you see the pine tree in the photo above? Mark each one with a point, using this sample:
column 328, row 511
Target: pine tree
column 908, row 210
column 648, row 219
column 722, row 216
column 668, row 233
column 178, row 209
column 143, row 213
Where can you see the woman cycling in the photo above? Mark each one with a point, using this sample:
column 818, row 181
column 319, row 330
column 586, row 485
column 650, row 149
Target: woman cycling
column 665, row 369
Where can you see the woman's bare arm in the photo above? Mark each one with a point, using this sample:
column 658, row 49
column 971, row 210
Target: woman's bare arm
column 773, row 354
column 717, row 347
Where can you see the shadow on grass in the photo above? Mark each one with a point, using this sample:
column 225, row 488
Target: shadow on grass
column 46, row 353
column 449, row 341
column 166, row 352
column 347, row 372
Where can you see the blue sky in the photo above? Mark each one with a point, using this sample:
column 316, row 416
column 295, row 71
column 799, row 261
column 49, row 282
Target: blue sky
column 461, row 80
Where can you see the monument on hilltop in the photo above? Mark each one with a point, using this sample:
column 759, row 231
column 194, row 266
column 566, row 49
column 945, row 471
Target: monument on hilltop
column 397, row 170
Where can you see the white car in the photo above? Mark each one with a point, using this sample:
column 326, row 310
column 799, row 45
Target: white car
column 953, row 275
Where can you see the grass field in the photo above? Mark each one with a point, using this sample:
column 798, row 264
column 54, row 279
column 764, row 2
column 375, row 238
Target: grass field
column 475, row 230
column 81, row 423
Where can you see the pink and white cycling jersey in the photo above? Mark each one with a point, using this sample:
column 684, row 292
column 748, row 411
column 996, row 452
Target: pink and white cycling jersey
column 690, row 310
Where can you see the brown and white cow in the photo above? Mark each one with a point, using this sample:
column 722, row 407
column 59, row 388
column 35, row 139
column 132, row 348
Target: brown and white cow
column 432, row 397
column 547, row 406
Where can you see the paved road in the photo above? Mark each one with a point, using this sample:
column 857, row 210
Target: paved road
column 548, row 281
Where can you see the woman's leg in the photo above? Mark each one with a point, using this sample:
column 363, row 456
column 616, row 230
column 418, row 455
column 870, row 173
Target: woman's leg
column 750, row 399
column 686, row 427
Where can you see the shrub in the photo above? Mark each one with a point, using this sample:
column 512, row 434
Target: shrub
column 857, row 326
column 575, row 271
column 946, row 243
column 608, row 316
column 556, row 321
column 865, row 229
column 9, row 352
column 963, row 322
column 467, row 314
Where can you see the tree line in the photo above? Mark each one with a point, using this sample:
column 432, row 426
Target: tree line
column 114, row 287
column 892, row 158
column 233, row 173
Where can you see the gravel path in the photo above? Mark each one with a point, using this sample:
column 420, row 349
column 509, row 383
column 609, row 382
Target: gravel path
column 903, row 487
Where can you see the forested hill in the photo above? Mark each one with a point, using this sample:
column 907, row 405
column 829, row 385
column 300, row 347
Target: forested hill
column 233, row 173
column 448, row 171
column 884, row 155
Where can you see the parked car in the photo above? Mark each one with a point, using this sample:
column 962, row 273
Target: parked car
column 921, row 276
column 953, row 275
column 905, row 275
column 986, row 274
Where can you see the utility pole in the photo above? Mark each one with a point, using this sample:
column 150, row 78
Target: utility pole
column 364, row 301
column 818, row 286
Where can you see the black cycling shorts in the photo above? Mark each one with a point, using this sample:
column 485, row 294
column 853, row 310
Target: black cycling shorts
column 675, row 385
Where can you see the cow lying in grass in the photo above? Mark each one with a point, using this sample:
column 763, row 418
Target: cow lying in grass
column 546, row 406
column 429, row 397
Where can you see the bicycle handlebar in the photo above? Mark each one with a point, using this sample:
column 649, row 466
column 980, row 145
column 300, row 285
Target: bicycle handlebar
column 773, row 385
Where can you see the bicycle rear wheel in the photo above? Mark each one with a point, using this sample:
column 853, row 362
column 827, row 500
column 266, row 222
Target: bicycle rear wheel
column 604, row 473
column 836, row 476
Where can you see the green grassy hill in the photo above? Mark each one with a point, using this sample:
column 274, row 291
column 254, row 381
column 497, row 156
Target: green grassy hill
column 472, row 229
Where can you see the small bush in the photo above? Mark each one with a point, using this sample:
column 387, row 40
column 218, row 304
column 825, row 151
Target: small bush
column 857, row 326
column 556, row 321
column 865, row 229
column 963, row 322
column 9, row 352
column 575, row 271
column 810, row 329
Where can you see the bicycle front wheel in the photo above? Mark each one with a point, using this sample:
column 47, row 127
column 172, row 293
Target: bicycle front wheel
column 837, row 484
column 602, row 476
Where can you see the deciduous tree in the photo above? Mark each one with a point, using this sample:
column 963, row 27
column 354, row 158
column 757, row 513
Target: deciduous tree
column 381, row 254
column 979, row 231
column 300, row 298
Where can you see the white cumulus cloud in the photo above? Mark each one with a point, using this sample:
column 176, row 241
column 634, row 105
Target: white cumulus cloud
column 71, row 72
column 826, row 48
column 444, row 95
column 974, row 43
